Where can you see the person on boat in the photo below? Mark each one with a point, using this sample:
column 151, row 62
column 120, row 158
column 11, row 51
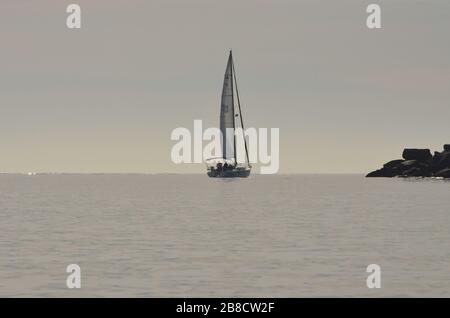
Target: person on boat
column 225, row 166
column 219, row 166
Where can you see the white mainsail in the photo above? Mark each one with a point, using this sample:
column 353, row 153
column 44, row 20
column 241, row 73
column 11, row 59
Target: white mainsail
column 227, row 124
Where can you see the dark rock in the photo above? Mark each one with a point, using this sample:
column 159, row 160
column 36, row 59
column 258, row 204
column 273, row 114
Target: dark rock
column 435, row 161
column 418, row 172
column 408, row 163
column 437, row 156
column 445, row 159
column 441, row 160
column 444, row 173
column 381, row 173
column 447, row 147
column 393, row 163
column 413, row 172
column 417, row 154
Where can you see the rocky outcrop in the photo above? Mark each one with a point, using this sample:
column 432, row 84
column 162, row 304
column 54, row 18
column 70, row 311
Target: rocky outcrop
column 417, row 163
column 444, row 173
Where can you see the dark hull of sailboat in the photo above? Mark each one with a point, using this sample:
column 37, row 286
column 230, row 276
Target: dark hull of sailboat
column 233, row 173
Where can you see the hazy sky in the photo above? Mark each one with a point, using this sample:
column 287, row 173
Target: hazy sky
column 106, row 98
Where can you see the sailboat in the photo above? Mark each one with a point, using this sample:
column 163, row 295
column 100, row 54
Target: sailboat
column 227, row 166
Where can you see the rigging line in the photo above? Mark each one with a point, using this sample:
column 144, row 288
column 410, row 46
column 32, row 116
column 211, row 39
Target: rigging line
column 240, row 112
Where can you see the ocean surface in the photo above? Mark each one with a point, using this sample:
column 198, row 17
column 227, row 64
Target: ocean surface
column 192, row 236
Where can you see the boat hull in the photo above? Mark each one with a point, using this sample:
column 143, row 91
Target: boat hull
column 233, row 173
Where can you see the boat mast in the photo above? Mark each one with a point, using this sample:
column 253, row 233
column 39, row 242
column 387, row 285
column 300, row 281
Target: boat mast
column 240, row 115
column 232, row 106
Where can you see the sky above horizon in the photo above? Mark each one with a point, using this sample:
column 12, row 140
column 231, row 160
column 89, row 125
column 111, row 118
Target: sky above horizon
column 106, row 98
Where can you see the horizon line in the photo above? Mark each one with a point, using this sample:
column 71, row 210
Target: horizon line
column 170, row 173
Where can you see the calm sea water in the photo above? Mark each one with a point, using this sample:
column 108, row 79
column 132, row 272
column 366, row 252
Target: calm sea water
column 192, row 236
